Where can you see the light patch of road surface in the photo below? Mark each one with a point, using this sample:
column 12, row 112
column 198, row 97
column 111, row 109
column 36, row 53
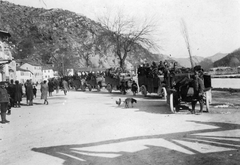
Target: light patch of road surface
column 89, row 128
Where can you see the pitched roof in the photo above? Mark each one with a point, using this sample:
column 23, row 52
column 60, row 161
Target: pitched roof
column 32, row 63
column 4, row 61
column 46, row 67
column 4, row 34
column 24, row 70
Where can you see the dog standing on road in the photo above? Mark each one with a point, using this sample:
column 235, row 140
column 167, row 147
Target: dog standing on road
column 128, row 101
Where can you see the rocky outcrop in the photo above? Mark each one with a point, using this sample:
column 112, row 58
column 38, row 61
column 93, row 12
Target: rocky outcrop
column 56, row 36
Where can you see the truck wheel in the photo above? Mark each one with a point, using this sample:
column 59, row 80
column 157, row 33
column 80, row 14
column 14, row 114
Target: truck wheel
column 162, row 92
column 207, row 101
column 171, row 103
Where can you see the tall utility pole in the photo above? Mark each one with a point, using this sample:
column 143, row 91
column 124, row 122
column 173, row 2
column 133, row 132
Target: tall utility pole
column 186, row 38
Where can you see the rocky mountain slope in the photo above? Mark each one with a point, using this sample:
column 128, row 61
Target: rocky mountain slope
column 60, row 37
column 232, row 59
column 206, row 63
column 217, row 56
column 186, row 61
column 63, row 37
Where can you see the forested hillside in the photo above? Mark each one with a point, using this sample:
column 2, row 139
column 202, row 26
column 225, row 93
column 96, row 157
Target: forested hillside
column 232, row 60
column 60, row 36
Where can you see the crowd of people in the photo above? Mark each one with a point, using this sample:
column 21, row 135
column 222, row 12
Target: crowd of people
column 169, row 70
column 115, row 72
column 12, row 93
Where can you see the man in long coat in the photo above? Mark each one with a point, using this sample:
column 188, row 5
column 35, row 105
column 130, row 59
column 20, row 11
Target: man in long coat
column 11, row 89
column 29, row 92
column 18, row 93
column 50, row 87
column 198, row 87
column 65, row 86
column 44, row 91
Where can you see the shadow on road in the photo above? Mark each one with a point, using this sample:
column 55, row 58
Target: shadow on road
column 149, row 104
column 145, row 105
column 155, row 106
column 155, row 153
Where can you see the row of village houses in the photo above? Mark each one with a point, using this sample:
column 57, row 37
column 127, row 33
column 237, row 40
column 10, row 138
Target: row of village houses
column 11, row 69
column 26, row 71
column 23, row 71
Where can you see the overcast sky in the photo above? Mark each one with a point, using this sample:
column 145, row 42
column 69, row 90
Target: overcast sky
column 213, row 25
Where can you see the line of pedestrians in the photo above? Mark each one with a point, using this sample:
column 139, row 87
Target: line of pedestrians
column 11, row 95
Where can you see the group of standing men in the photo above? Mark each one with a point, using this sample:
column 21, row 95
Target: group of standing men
column 11, row 95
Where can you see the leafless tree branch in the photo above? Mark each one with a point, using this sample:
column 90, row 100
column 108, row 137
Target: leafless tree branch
column 125, row 34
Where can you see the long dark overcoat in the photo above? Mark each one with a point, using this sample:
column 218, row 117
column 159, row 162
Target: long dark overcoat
column 29, row 91
column 4, row 98
column 18, row 92
column 50, row 86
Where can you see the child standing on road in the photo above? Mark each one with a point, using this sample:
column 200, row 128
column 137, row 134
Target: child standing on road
column 35, row 91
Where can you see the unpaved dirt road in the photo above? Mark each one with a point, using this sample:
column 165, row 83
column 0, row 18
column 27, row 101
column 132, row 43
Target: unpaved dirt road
column 86, row 128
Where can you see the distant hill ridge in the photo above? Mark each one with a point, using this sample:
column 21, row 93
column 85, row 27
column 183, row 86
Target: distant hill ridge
column 232, row 59
column 40, row 34
column 217, row 56
column 206, row 62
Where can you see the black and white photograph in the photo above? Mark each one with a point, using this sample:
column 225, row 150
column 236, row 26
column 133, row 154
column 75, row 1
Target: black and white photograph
column 119, row 82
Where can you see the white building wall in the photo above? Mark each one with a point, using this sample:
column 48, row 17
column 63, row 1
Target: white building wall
column 48, row 73
column 70, row 72
column 36, row 70
column 27, row 66
column 23, row 76
column 6, row 54
column 12, row 70
column 55, row 74
column 38, row 74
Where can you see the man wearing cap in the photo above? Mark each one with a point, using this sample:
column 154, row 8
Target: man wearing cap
column 198, row 87
column 4, row 99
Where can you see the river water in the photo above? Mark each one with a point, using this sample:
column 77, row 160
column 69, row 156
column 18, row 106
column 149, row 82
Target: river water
column 226, row 83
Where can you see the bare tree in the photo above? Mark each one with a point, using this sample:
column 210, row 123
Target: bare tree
column 84, row 51
column 123, row 35
column 186, row 38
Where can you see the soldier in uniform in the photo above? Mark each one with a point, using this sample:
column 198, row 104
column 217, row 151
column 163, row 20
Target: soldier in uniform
column 4, row 100
column 198, row 87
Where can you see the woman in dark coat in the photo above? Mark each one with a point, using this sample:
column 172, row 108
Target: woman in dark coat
column 18, row 93
column 29, row 93
column 11, row 90
column 50, row 87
